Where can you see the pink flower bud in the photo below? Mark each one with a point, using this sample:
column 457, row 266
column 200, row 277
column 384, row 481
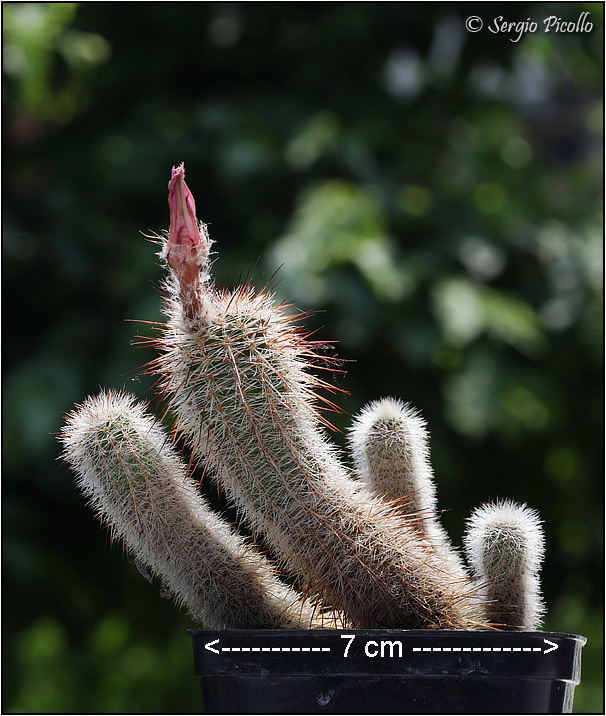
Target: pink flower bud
column 187, row 250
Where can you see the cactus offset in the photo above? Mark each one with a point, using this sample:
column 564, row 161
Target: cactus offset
column 504, row 544
column 389, row 446
column 236, row 373
column 139, row 485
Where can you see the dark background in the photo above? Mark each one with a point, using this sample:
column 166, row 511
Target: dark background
column 435, row 193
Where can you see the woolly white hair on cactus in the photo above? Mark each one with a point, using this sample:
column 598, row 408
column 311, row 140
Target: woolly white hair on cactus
column 139, row 486
column 389, row 445
column 505, row 545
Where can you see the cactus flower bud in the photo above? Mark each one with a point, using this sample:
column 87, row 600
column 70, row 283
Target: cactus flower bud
column 188, row 244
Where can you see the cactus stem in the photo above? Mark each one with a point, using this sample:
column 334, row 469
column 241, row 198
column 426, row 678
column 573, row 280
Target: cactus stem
column 125, row 465
column 389, row 446
column 505, row 546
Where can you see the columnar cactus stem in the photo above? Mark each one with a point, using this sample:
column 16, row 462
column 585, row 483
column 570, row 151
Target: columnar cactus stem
column 388, row 442
column 236, row 373
column 504, row 544
column 138, row 484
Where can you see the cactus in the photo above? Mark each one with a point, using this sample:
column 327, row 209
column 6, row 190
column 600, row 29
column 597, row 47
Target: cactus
column 504, row 544
column 236, row 373
column 235, row 370
column 138, row 483
column 389, row 446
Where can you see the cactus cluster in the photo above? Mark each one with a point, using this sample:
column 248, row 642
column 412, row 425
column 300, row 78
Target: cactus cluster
column 363, row 545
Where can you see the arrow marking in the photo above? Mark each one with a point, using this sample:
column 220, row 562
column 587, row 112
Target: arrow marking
column 274, row 648
column 209, row 646
column 553, row 647
column 478, row 648
column 487, row 648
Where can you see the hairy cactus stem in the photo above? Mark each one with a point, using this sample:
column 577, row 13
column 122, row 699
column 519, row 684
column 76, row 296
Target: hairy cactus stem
column 504, row 544
column 389, row 446
column 139, row 485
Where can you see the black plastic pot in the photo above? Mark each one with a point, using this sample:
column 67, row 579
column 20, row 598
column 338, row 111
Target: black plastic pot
column 386, row 671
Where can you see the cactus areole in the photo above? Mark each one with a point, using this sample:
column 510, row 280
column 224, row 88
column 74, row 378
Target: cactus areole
column 352, row 549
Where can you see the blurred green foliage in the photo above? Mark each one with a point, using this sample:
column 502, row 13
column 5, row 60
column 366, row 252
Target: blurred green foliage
column 435, row 193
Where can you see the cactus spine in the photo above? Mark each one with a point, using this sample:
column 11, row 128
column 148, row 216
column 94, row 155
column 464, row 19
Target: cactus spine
column 389, row 446
column 139, row 485
column 235, row 368
column 504, row 544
